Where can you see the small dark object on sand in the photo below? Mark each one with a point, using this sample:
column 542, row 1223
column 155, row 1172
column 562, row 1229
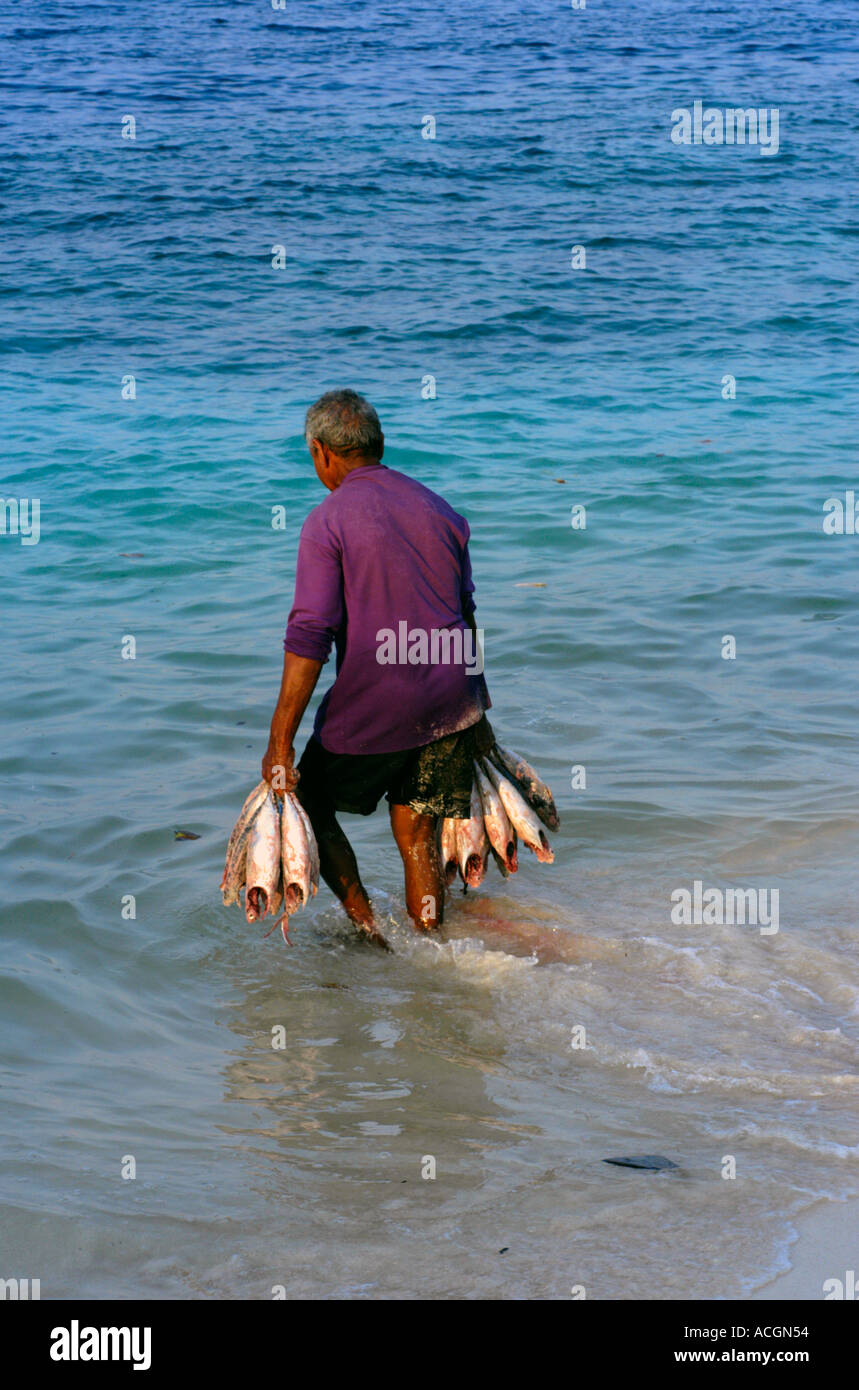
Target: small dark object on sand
column 652, row 1162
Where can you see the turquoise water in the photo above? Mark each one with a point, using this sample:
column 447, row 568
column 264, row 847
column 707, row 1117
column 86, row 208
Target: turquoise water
column 407, row 257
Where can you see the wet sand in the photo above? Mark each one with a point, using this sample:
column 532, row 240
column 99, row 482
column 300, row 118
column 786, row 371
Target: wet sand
column 826, row 1246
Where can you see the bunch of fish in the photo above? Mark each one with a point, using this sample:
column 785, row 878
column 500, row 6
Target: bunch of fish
column 508, row 803
column 273, row 855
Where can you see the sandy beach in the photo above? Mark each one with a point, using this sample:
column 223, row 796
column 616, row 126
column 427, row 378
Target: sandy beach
column 824, row 1246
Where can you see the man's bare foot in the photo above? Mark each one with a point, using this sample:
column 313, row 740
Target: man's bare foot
column 426, row 926
column 374, row 937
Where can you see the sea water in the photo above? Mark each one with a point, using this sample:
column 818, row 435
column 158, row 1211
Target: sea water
column 213, row 212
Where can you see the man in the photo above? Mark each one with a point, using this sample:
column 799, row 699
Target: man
column 383, row 566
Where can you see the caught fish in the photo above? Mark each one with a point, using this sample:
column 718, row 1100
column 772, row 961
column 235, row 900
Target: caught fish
column 500, row 863
column 502, row 836
column 273, row 855
column 472, row 844
column 251, row 805
column 521, row 816
column 235, row 871
column 312, row 847
column 236, row 860
column 447, row 848
column 264, row 856
column 532, row 787
column 295, row 860
column 276, row 900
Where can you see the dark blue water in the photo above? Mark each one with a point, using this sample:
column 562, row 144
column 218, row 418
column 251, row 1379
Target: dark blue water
column 605, row 386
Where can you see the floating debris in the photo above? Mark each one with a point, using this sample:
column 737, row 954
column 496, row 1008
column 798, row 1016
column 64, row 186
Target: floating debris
column 650, row 1162
column 529, row 585
column 185, row 835
column 132, row 555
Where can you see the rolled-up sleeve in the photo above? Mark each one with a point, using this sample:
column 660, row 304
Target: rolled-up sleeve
column 317, row 609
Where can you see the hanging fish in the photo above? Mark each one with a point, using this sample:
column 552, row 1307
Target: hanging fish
column 531, row 786
column 521, row 816
column 312, row 846
column 472, row 844
column 502, row 836
column 295, row 856
column 237, row 849
column 263, row 864
column 447, row 849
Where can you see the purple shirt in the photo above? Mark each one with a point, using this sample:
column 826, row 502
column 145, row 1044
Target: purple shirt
column 383, row 573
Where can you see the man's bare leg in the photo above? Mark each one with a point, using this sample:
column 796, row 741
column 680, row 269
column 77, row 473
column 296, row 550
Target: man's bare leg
column 339, row 868
column 416, row 840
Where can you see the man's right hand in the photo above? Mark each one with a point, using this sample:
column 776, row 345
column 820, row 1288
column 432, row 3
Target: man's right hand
column 278, row 769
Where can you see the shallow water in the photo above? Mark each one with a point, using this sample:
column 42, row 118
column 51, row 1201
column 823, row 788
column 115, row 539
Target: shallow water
column 301, row 1167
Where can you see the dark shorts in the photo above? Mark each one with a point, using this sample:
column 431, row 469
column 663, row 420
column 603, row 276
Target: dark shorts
column 434, row 780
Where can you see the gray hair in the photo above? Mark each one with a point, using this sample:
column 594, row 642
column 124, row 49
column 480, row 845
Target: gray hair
column 345, row 422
